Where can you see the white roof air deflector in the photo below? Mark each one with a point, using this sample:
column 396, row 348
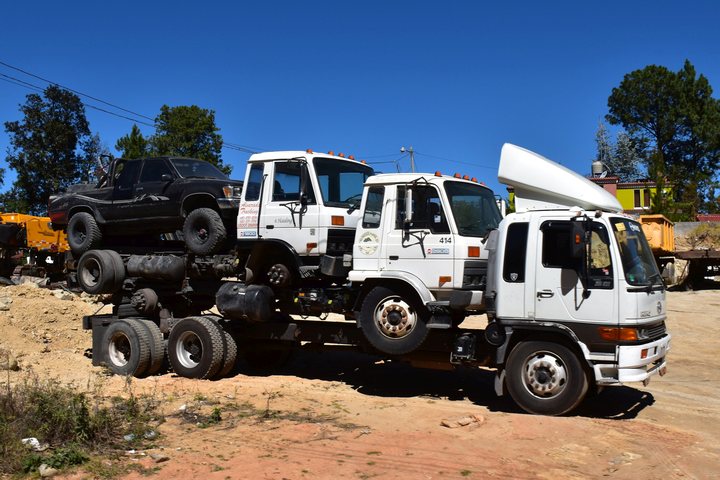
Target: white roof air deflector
column 541, row 184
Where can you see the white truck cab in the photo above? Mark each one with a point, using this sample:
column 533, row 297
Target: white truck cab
column 567, row 268
column 298, row 213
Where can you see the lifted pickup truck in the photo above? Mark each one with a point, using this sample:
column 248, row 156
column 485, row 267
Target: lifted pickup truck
column 151, row 196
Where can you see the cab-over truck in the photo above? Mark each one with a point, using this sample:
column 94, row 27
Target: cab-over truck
column 571, row 291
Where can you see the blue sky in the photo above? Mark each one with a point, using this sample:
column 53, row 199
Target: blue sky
column 454, row 79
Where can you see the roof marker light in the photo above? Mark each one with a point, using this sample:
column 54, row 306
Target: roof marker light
column 351, row 157
column 341, row 155
column 466, row 177
column 438, row 174
column 363, row 162
column 330, row 152
column 473, row 179
column 309, row 150
column 456, row 175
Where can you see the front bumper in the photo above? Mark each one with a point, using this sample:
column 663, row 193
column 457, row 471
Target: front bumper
column 635, row 363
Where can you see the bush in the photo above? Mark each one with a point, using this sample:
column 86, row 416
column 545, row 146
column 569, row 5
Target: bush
column 68, row 421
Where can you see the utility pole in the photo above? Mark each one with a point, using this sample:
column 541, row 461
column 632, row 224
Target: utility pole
column 412, row 157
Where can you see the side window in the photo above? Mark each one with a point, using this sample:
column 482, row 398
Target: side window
column 557, row 243
column 286, row 183
column 153, row 170
column 556, row 248
column 373, row 207
column 428, row 212
column 252, row 190
column 601, row 271
column 126, row 174
column 515, row 253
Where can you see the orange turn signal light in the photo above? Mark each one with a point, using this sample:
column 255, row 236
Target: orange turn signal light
column 337, row 220
column 614, row 334
column 444, row 279
column 310, row 246
column 473, row 251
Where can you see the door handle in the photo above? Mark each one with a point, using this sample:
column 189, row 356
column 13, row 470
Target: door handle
column 394, row 257
column 545, row 294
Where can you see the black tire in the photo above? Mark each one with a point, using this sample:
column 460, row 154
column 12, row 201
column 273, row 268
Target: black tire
column 394, row 324
column 204, row 231
column 196, row 348
column 96, row 272
column 126, row 348
column 230, row 357
column 119, row 268
column 83, row 233
column 157, row 345
column 545, row 378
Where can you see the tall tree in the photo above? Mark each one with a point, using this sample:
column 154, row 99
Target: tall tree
column 47, row 148
column 675, row 121
column 188, row 131
column 133, row 145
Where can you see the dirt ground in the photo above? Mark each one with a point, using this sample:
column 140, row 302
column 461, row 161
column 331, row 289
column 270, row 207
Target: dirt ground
column 346, row 415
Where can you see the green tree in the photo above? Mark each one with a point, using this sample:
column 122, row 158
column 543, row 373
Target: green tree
column 675, row 122
column 133, row 145
column 48, row 148
column 188, row 131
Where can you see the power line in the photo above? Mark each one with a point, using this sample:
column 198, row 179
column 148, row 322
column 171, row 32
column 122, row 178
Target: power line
column 454, row 161
column 31, row 86
column 75, row 91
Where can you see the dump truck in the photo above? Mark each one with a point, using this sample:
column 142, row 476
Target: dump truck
column 699, row 250
column 572, row 294
column 30, row 247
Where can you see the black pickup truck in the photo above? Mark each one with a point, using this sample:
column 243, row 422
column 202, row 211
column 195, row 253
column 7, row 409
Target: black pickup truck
column 147, row 197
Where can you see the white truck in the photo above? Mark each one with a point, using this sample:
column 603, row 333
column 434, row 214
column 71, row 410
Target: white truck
column 571, row 290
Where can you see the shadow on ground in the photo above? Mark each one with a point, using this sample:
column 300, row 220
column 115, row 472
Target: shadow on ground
column 373, row 376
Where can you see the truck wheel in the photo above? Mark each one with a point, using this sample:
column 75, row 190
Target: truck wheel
column 126, row 347
column 83, row 233
column 545, row 378
column 393, row 323
column 196, row 348
column 156, row 343
column 118, row 268
column 230, row 357
column 204, row 231
column 96, row 272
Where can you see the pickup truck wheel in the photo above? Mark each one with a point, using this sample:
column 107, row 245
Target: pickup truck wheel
column 393, row 323
column 83, row 233
column 204, row 231
column 156, row 343
column 96, row 272
column 196, row 347
column 545, row 378
column 126, row 348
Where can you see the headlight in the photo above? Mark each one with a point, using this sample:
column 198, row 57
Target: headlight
column 232, row 191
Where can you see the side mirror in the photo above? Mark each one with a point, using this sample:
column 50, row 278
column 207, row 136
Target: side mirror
column 408, row 206
column 166, row 177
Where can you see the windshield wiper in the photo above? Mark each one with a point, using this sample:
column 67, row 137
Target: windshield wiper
column 353, row 207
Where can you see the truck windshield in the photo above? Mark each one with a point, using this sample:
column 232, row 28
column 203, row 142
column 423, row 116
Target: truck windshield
column 189, row 168
column 341, row 182
column 473, row 208
column 637, row 257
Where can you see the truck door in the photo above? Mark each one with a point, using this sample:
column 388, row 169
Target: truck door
column 558, row 286
column 153, row 197
column 125, row 174
column 423, row 246
column 286, row 216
